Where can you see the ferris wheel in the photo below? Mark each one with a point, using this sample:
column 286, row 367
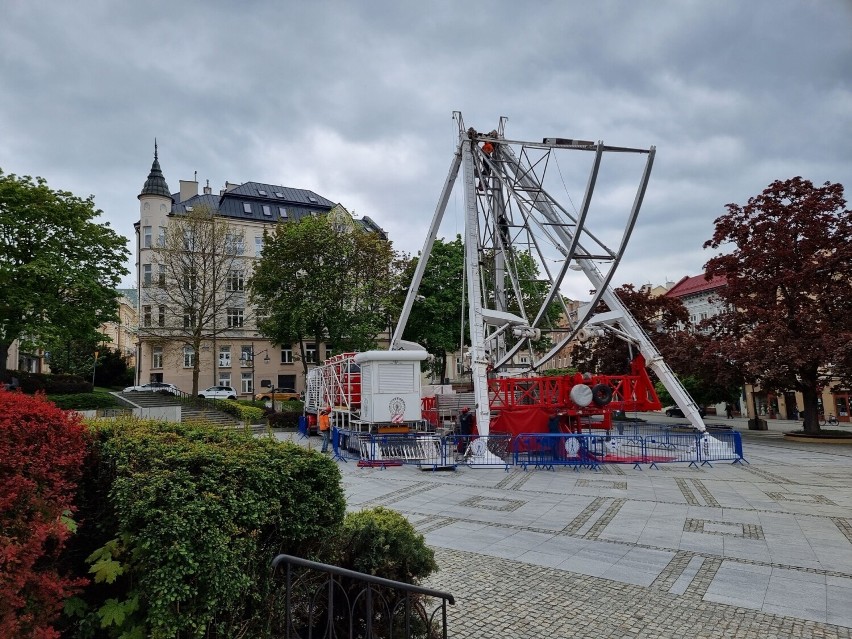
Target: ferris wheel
column 522, row 246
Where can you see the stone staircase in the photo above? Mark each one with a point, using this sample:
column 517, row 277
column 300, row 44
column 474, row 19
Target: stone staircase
column 196, row 410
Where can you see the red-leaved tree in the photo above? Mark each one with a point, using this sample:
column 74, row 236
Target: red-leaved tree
column 789, row 273
column 41, row 453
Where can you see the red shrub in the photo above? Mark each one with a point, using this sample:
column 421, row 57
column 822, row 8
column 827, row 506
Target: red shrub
column 41, row 452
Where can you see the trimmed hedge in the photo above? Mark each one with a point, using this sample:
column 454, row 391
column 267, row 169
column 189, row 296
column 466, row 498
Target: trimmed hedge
column 41, row 454
column 244, row 412
column 183, row 521
column 85, row 401
column 289, row 420
column 51, row 384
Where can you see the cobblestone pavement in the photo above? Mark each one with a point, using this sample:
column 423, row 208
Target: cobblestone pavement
column 758, row 550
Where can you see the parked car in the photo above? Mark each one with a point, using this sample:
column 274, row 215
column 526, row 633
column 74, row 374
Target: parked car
column 218, row 392
column 675, row 411
column 281, row 394
column 154, row 387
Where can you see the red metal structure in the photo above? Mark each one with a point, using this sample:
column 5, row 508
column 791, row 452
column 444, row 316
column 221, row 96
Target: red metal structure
column 527, row 404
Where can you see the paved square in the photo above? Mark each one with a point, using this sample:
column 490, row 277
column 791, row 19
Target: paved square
column 759, row 550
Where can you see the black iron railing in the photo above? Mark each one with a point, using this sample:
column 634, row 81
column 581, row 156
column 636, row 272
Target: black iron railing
column 319, row 601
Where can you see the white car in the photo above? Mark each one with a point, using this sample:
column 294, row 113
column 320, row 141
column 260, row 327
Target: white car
column 154, row 387
column 218, row 392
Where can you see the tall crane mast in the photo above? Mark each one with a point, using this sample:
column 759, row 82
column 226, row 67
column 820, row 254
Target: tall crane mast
column 512, row 219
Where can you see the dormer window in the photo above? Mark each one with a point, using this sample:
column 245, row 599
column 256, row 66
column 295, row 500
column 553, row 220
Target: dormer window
column 247, row 208
column 261, row 192
column 189, row 208
column 267, row 210
column 282, row 212
column 312, row 199
column 281, row 195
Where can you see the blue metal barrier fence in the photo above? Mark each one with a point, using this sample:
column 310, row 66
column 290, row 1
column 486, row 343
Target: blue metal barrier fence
column 648, row 445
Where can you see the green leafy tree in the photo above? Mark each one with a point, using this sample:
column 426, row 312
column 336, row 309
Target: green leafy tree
column 436, row 320
column 789, row 272
column 325, row 280
column 58, row 268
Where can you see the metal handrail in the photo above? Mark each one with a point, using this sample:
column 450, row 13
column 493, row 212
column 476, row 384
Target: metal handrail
column 341, row 605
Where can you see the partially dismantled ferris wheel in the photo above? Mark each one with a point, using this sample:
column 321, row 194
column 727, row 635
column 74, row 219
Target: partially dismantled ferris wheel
column 521, row 245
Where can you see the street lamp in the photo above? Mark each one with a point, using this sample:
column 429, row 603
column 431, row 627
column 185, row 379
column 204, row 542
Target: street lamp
column 248, row 357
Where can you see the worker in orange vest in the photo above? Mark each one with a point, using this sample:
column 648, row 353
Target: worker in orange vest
column 325, row 428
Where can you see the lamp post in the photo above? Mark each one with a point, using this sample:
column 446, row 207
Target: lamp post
column 249, row 357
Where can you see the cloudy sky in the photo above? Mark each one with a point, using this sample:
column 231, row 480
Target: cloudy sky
column 354, row 100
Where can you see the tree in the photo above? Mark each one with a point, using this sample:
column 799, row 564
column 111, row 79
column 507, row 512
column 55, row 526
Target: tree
column 324, row 279
column 789, row 276
column 58, row 268
column 436, row 320
column 196, row 290
column 661, row 317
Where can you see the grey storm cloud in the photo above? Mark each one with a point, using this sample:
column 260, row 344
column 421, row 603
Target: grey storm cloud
column 354, row 101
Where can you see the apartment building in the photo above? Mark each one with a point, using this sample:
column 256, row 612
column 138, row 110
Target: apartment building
column 232, row 352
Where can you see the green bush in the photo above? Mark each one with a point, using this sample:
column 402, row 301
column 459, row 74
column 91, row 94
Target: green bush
column 51, row 384
column 378, row 542
column 180, row 523
column 382, row 542
column 245, row 412
column 85, row 401
column 288, row 419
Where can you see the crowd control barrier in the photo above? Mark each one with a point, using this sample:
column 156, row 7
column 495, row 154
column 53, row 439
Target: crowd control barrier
column 646, row 445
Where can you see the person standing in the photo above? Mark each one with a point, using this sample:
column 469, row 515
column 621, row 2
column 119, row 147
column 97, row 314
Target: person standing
column 729, row 410
column 466, row 428
column 325, row 428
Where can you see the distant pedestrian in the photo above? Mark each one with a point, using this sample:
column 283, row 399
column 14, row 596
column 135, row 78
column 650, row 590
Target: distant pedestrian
column 729, row 410
column 325, row 428
column 465, row 428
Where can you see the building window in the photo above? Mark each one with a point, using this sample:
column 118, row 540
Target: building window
column 146, row 236
column 235, row 318
column 225, row 359
column 247, row 208
column 161, row 276
column 188, row 240
column 311, row 353
column 235, row 280
column 161, row 316
column 245, row 355
column 146, row 316
column 267, row 210
column 146, row 275
column 188, row 357
column 190, row 280
column 234, row 244
column 188, row 318
column 161, row 236
column 224, row 378
column 459, row 366
column 258, row 245
column 286, row 355
column 245, row 378
column 157, row 357
column 282, row 211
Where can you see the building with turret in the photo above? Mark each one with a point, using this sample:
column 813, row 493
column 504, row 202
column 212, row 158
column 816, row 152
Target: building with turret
column 192, row 282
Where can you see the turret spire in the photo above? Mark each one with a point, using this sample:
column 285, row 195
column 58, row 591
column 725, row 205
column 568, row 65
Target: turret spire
column 156, row 183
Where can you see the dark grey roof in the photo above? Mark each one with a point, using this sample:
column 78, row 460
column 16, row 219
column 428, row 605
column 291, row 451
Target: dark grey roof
column 248, row 202
column 367, row 223
column 156, row 183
